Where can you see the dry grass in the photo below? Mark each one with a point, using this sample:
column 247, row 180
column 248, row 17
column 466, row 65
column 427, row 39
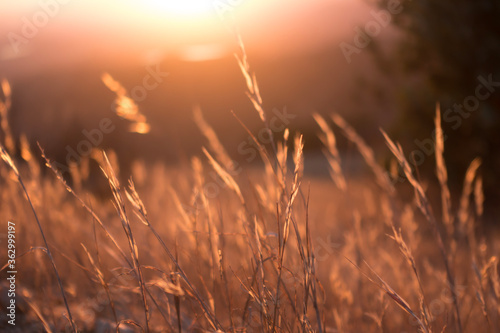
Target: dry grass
column 208, row 247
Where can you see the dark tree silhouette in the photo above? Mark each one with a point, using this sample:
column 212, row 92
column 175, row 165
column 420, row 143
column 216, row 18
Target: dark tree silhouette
column 449, row 49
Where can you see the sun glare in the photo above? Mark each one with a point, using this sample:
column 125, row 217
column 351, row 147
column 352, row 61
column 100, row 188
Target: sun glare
column 187, row 8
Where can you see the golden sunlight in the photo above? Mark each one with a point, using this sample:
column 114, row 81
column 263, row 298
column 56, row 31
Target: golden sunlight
column 224, row 165
column 186, row 8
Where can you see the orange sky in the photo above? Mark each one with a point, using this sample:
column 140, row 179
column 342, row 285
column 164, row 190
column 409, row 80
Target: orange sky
column 193, row 30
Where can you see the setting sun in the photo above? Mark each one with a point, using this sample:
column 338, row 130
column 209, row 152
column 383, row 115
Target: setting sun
column 184, row 8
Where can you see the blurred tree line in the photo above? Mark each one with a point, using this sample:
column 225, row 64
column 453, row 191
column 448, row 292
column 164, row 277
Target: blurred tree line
column 443, row 48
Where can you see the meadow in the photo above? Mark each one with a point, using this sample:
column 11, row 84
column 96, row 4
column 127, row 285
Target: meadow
column 217, row 245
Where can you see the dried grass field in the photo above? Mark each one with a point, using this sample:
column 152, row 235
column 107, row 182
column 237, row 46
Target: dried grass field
column 215, row 245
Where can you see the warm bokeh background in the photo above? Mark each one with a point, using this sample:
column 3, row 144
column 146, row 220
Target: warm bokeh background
column 294, row 49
